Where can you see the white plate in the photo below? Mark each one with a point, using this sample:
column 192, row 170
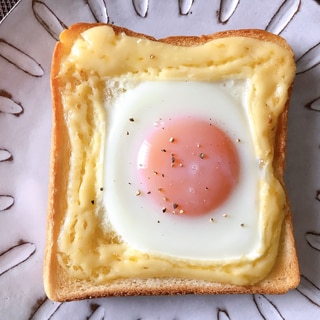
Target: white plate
column 27, row 38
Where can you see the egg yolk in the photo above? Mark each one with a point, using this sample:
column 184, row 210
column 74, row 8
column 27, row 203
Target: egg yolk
column 187, row 166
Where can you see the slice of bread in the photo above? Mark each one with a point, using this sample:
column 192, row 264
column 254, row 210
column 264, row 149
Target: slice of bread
column 77, row 234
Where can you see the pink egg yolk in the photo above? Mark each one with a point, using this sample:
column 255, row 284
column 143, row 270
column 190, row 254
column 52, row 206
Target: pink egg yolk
column 187, row 166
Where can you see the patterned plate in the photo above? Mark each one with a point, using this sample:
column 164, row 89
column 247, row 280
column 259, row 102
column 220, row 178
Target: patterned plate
column 27, row 39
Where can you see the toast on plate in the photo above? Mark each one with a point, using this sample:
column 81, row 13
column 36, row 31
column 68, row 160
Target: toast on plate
column 93, row 66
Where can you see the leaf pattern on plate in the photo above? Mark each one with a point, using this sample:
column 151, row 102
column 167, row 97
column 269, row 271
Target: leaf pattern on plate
column 46, row 310
column 223, row 315
column 309, row 60
column 15, row 256
column 309, row 290
column 6, row 202
column 99, row 10
column 313, row 239
column 20, row 59
column 283, row 16
column 97, row 314
column 8, row 105
column 48, row 19
column 185, row 6
column 314, row 105
column 227, row 9
column 141, row 7
column 266, row 308
column 5, row 155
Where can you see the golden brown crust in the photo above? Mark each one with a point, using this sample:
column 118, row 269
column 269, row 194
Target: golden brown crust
column 59, row 287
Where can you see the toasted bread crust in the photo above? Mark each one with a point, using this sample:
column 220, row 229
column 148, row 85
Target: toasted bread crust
column 60, row 287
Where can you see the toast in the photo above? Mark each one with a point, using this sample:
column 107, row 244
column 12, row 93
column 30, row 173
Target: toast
column 82, row 247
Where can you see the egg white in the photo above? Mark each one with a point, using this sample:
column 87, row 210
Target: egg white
column 234, row 230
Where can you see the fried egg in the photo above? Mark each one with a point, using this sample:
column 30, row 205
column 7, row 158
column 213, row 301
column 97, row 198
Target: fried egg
column 181, row 175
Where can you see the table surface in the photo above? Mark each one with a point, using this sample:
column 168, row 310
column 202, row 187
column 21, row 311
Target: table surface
column 6, row 6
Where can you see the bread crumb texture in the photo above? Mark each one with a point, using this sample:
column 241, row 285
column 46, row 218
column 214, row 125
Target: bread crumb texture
column 99, row 65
